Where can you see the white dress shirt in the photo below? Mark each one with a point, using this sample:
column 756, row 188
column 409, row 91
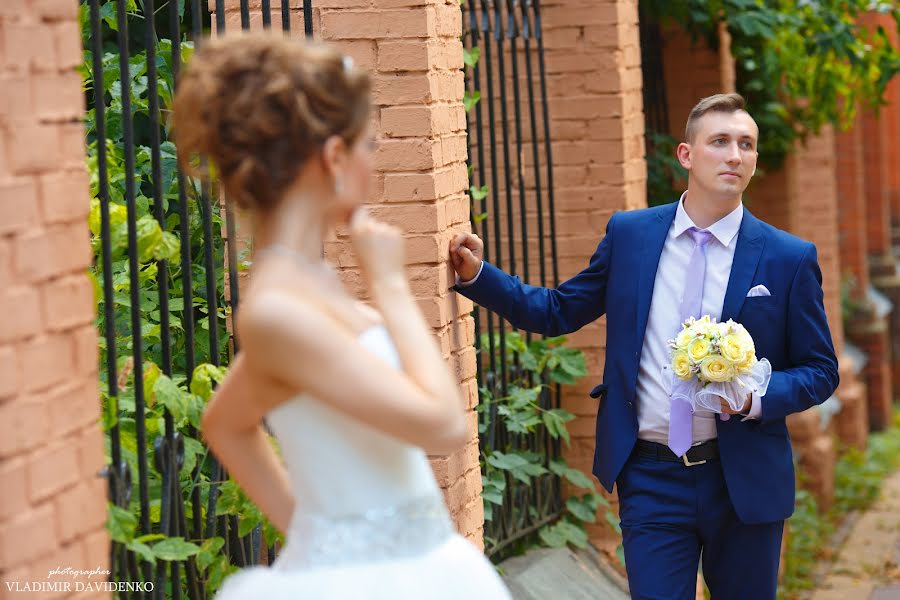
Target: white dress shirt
column 664, row 319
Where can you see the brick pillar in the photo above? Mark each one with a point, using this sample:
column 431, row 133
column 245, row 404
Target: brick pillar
column 693, row 71
column 53, row 507
column 866, row 327
column 592, row 52
column 891, row 117
column 882, row 263
column 814, row 193
column 413, row 51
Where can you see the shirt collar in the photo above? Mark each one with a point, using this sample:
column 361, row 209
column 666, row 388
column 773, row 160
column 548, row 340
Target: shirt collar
column 723, row 230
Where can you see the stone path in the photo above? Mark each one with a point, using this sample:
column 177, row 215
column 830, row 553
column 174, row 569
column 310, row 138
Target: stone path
column 868, row 566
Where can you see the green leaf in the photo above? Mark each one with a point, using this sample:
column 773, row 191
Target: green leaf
column 518, row 466
column 110, row 415
column 169, row 248
column 121, row 524
column 142, row 550
column 613, row 521
column 582, row 509
column 470, row 99
column 175, row 548
column 271, row 534
column 479, row 193
column 150, row 537
column 555, row 420
column 506, row 462
column 192, row 449
column 209, row 550
column 471, row 56
column 149, row 237
column 521, row 397
column 152, row 373
column 620, row 554
column 562, row 533
column 203, row 377
column 169, row 395
column 249, row 520
column 574, row 476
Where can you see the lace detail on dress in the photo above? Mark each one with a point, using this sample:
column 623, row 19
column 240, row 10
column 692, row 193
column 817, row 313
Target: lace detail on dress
column 407, row 530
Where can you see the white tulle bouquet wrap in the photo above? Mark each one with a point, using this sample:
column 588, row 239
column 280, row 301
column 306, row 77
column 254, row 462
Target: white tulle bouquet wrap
column 713, row 361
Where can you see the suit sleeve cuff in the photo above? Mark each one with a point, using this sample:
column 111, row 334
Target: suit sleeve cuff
column 462, row 283
column 755, row 406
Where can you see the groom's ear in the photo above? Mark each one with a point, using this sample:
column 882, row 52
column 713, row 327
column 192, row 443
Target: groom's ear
column 683, row 152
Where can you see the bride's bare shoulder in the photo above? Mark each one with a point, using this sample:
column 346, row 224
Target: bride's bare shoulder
column 279, row 290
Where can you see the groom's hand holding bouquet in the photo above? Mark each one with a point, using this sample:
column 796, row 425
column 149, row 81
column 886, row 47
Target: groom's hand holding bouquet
column 714, row 366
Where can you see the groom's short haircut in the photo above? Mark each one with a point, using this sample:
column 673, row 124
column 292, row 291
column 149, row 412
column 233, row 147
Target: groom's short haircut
column 724, row 103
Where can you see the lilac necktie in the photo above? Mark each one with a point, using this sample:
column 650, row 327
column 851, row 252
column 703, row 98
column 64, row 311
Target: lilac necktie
column 681, row 415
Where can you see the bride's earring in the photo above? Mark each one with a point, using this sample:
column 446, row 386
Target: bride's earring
column 338, row 186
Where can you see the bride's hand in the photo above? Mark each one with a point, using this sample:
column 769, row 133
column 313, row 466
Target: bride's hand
column 379, row 248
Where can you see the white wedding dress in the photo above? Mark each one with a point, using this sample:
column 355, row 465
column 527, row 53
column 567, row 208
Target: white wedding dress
column 370, row 521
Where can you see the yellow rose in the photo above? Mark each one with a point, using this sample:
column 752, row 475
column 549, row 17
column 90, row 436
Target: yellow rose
column 732, row 348
column 683, row 339
column 748, row 360
column 681, row 365
column 749, row 349
column 698, row 349
column 716, row 369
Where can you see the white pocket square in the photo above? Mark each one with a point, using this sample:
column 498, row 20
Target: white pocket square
column 758, row 290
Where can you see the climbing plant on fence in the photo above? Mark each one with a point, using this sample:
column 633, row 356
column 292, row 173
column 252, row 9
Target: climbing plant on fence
column 173, row 397
column 508, row 468
column 800, row 64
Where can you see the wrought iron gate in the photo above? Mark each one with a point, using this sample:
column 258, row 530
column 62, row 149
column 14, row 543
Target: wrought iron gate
column 503, row 41
column 159, row 251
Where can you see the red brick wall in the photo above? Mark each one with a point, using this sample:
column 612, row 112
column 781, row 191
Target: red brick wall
column 812, row 188
column 692, row 71
column 852, row 207
column 53, row 507
column 413, row 51
column 853, row 422
column 592, row 52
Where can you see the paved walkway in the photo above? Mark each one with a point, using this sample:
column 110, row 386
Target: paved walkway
column 868, row 566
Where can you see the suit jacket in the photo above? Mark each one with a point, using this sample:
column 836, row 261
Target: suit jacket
column 789, row 328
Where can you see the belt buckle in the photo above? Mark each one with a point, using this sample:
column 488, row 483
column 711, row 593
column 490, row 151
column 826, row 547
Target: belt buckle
column 688, row 463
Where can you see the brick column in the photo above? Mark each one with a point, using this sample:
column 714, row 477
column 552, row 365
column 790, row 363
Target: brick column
column 592, row 52
column 890, row 114
column 866, row 327
column 53, row 507
column 813, row 190
column 882, row 263
column 413, row 51
column 693, row 71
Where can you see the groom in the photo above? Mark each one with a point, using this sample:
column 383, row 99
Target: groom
column 701, row 485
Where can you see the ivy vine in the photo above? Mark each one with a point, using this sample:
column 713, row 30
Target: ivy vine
column 800, row 64
column 180, row 395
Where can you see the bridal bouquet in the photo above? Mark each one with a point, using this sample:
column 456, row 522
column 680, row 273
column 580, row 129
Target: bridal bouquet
column 711, row 361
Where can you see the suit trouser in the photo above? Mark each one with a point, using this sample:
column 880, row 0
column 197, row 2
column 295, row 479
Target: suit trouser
column 671, row 515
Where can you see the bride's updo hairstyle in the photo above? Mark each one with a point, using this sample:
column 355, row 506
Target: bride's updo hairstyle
column 259, row 105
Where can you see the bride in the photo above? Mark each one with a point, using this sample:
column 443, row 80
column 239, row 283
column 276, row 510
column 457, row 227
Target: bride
column 356, row 397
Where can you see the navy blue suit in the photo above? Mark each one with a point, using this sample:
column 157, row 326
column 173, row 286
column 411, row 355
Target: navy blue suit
column 789, row 328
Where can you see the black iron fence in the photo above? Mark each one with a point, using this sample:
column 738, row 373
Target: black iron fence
column 513, row 212
column 178, row 525
column 166, row 294
column 664, row 172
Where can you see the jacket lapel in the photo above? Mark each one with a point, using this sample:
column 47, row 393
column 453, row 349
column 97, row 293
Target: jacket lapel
column 746, row 257
column 654, row 240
